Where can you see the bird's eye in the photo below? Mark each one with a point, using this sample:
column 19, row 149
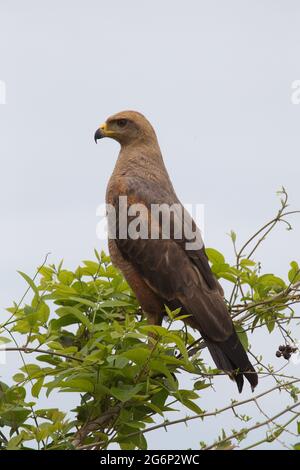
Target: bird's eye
column 121, row 122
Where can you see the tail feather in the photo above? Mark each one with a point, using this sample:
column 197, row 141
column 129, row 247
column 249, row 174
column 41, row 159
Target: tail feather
column 231, row 357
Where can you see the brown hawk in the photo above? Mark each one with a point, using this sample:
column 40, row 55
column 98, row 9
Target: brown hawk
column 161, row 270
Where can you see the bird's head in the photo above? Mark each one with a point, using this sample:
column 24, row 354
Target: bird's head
column 126, row 127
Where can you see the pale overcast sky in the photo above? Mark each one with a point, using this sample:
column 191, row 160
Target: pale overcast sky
column 214, row 77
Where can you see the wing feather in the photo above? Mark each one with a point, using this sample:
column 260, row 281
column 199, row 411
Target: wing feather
column 173, row 272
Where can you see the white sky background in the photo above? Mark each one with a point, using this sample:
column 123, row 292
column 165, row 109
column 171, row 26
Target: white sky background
column 213, row 77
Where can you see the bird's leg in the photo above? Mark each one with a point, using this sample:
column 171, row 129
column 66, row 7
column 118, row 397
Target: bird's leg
column 154, row 318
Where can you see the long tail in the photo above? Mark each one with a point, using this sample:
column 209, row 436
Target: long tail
column 231, row 357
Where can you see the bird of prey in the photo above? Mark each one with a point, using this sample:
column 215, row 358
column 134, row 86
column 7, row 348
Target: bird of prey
column 161, row 270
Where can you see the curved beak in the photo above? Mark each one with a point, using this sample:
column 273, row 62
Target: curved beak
column 99, row 134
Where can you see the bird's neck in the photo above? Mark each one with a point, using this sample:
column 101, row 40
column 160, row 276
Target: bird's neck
column 141, row 162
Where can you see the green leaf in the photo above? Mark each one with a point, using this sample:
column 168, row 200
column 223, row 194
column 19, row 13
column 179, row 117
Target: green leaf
column 192, row 406
column 4, row 340
column 172, row 337
column 172, row 314
column 242, row 336
column 77, row 314
column 19, row 377
column 247, row 262
column 30, row 282
column 229, row 277
column 115, row 303
column 200, row 385
column 36, row 388
column 93, row 267
column 124, row 394
column 158, row 366
column 16, row 394
column 271, row 281
column 159, row 398
column 155, row 408
column 15, row 416
column 66, row 277
column 83, row 301
column 43, row 312
column 31, row 369
column 294, row 273
column 156, row 329
column 233, row 236
column 14, row 442
column 49, row 359
column 186, row 394
column 82, row 385
column 214, row 256
column 137, row 355
column 270, row 323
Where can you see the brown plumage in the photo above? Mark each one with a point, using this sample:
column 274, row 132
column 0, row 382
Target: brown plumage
column 162, row 271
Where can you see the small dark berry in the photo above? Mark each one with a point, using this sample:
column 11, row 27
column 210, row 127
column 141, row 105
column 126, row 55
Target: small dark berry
column 278, row 354
column 286, row 356
column 281, row 348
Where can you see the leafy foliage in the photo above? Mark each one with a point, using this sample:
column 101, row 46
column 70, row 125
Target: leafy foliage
column 86, row 334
